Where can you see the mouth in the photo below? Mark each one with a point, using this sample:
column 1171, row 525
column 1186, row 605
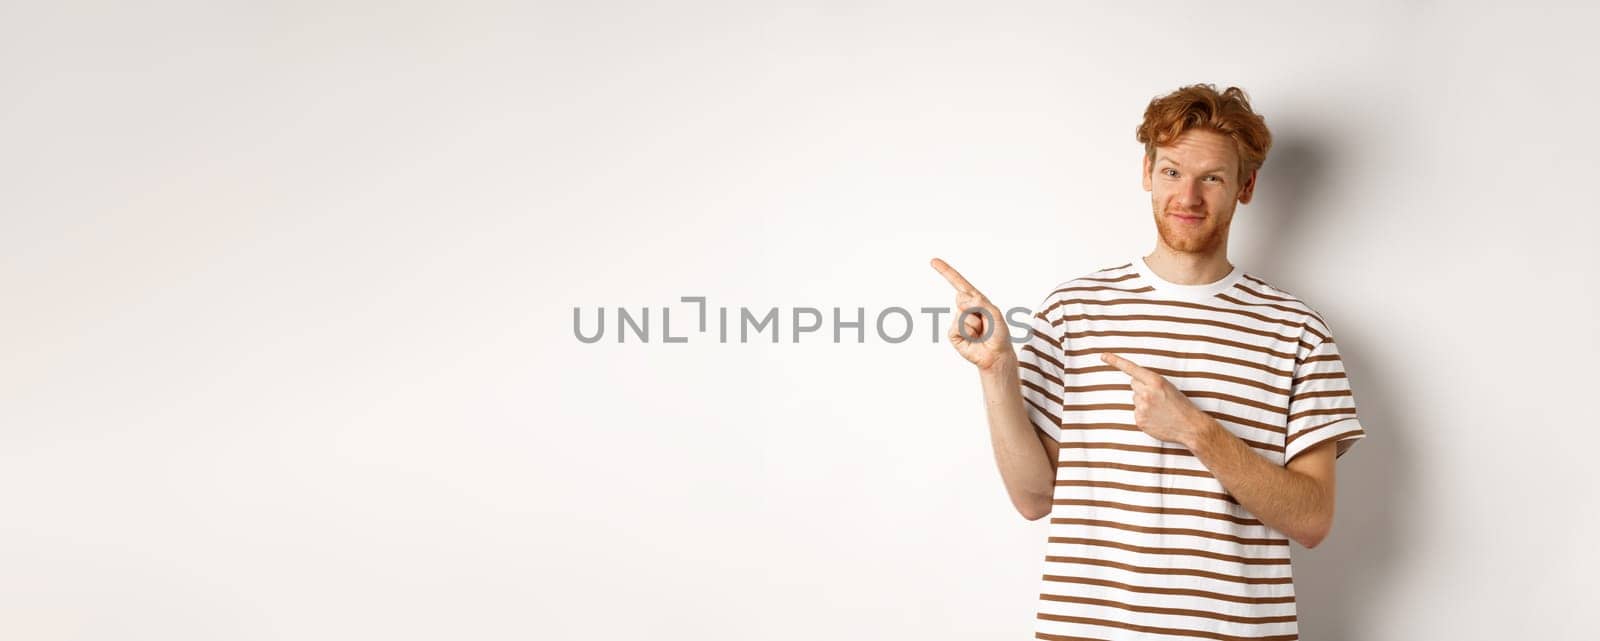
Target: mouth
column 1187, row 219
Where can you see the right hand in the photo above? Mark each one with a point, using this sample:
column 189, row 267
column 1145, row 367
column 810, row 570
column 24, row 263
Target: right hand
column 995, row 350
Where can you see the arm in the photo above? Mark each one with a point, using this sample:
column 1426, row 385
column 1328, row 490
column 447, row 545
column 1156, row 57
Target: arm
column 1021, row 451
column 1296, row 499
column 1027, row 463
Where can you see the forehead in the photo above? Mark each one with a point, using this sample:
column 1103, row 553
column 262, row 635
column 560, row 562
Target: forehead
column 1200, row 149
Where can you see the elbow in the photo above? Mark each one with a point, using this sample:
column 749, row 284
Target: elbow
column 1314, row 535
column 1035, row 507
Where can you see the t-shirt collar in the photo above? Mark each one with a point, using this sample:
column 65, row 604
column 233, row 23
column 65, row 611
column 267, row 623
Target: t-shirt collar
column 1200, row 292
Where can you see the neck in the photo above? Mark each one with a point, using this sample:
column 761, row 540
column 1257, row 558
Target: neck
column 1189, row 268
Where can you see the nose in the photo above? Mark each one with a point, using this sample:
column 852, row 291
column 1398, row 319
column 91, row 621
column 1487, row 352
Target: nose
column 1190, row 196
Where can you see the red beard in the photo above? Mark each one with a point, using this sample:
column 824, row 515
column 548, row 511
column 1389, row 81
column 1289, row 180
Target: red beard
column 1189, row 238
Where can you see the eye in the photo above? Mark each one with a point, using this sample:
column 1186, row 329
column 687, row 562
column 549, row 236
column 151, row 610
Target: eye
column 1215, row 179
column 1170, row 173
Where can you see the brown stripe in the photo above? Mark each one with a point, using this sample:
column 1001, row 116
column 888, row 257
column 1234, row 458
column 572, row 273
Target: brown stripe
column 1171, row 530
column 1159, row 630
column 1332, row 411
column 1321, row 337
column 1268, row 580
column 1104, row 387
column 1324, row 375
column 1117, row 279
column 1282, row 391
column 1054, row 342
column 1186, row 321
column 1150, row 609
column 1258, row 282
column 1107, row 426
column 1221, row 416
column 1063, row 637
column 1142, row 589
column 1264, row 295
column 1285, row 308
column 1128, row 448
column 1331, row 393
column 1043, row 356
column 1084, row 407
column 1174, row 303
column 1295, row 436
column 1040, row 372
column 1260, row 445
column 1144, row 549
column 1042, row 392
column 1233, row 399
column 1151, row 489
column 1097, row 288
column 1275, row 429
column 1303, row 308
column 1109, row 387
column 1321, row 357
column 1181, row 355
column 1154, row 510
column 1138, row 468
column 1270, row 447
column 1053, row 418
column 1184, row 337
column 1307, row 310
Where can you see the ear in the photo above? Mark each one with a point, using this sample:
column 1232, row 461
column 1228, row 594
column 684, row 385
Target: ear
column 1146, row 166
column 1246, row 192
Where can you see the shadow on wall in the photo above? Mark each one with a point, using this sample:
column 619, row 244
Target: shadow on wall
column 1338, row 584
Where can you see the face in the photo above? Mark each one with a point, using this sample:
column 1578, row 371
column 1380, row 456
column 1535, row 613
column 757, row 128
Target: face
column 1194, row 185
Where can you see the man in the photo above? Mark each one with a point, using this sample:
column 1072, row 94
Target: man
column 1176, row 418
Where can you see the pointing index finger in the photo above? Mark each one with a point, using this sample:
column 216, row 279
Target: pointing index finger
column 1128, row 367
column 950, row 274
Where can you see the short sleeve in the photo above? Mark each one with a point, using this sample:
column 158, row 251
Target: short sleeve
column 1322, row 406
column 1040, row 363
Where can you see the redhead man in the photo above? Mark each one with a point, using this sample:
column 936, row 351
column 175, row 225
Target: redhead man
column 1176, row 418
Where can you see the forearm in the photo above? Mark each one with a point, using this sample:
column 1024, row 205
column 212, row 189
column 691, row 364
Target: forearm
column 1026, row 470
column 1283, row 499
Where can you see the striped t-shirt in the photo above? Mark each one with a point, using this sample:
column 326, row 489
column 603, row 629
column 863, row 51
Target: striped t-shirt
column 1143, row 541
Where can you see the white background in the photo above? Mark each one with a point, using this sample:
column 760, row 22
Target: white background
column 288, row 287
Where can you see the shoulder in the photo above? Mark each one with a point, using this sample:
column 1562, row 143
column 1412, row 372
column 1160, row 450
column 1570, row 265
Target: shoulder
column 1105, row 278
column 1255, row 291
column 1106, row 281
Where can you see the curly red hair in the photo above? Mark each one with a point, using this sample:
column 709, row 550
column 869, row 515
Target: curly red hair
column 1201, row 106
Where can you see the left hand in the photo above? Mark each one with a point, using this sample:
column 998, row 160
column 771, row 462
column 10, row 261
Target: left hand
column 1159, row 408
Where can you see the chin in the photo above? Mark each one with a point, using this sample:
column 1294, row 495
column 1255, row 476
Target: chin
column 1192, row 243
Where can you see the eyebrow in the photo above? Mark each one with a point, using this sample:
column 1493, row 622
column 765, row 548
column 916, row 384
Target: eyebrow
column 1211, row 170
